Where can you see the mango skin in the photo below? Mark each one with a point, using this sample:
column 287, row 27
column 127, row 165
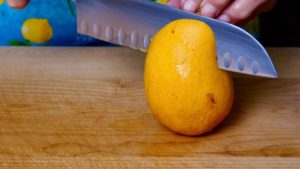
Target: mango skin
column 185, row 89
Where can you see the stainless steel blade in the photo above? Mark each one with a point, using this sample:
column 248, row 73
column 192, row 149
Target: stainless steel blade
column 132, row 23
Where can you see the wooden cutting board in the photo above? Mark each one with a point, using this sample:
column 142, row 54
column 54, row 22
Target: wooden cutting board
column 85, row 108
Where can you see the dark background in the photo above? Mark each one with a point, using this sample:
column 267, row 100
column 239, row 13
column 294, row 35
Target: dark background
column 281, row 26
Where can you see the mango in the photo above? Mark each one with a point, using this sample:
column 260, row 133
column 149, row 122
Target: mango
column 185, row 89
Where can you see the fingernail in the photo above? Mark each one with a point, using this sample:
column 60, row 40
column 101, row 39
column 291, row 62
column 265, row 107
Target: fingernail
column 209, row 10
column 190, row 5
column 224, row 18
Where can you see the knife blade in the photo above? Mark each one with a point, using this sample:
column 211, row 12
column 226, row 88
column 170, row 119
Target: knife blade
column 133, row 23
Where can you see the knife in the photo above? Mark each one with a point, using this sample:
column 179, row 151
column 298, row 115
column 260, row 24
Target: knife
column 132, row 23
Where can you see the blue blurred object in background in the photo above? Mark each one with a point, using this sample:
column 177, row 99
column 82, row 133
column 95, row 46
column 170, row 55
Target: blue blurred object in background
column 61, row 15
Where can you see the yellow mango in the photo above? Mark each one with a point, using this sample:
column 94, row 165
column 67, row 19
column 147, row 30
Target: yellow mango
column 185, row 89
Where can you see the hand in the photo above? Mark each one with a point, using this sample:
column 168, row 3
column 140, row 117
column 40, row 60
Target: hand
column 17, row 4
column 236, row 12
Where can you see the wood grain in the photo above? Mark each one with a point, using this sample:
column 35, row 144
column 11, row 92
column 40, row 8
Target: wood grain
column 85, row 108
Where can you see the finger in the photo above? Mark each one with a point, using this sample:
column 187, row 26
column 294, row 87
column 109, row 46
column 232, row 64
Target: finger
column 239, row 10
column 17, row 4
column 263, row 8
column 191, row 5
column 174, row 3
column 212, row 8
column 242, row 10
column 182, row 3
